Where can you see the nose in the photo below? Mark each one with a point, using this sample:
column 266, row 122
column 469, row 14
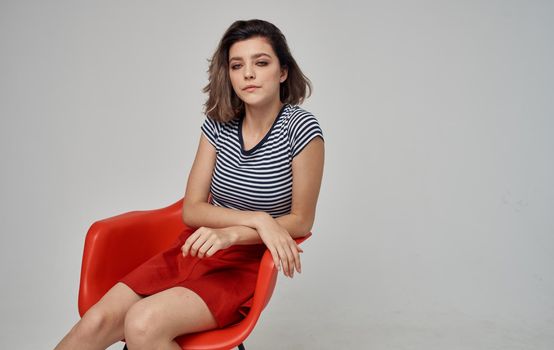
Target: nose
column 248, row 71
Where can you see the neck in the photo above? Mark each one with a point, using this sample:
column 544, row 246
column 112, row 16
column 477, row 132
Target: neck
column 258, row 119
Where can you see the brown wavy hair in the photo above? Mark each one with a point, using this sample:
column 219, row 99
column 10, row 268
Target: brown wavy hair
column 223, row 104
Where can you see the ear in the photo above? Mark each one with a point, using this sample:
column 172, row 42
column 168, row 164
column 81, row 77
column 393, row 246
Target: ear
column 284, row 74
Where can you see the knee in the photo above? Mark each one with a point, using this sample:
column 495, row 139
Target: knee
column 94, row 322
column 141, row 324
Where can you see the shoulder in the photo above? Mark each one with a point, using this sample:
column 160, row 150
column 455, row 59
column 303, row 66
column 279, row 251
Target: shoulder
column 214, row 129
column 303, row 126
column 297, row 113
column 216, row 124
column 300, row 120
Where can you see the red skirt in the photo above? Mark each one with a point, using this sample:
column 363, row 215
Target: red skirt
column 225, row 281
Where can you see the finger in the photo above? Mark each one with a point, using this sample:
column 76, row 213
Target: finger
column 213, row 249
column 203, row 249
column 284, row 260
column 291, row 259
column 188, row 243
column 208, row 243
column 296, row 254
column 275, row 256
column 197, row 244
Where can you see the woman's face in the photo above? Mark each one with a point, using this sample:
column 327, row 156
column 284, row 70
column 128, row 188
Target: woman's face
column 253, row 62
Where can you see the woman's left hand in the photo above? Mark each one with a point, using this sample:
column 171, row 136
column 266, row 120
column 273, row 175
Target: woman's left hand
column 284, row 250
column 205, row 242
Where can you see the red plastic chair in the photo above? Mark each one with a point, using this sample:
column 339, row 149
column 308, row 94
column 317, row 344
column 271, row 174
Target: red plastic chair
column 117, row 245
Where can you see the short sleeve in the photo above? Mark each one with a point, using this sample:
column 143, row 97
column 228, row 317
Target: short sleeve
column 303, row 129
column 210, row 128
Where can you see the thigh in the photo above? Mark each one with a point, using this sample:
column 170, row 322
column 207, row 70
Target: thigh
column 113, row 305
column 174, row 312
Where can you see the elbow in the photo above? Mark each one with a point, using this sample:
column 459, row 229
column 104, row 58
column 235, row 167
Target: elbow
column 306, row 231
column 305, row 227
column 187, row 214
column 184, row 218
column 302, row 224
column 190, row 213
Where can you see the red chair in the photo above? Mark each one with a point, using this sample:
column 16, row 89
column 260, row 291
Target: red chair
column 117, row 245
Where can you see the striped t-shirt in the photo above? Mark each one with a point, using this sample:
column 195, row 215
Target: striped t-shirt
column 259, row 179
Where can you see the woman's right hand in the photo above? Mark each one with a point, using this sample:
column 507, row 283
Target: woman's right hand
column 284, row 249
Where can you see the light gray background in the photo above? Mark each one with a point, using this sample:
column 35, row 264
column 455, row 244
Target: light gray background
column 434, row 226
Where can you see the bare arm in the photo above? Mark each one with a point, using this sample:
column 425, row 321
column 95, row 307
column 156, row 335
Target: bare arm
column 197, row 211
column 243, row 235
column 221, row 227
column 241, row 224
column 247, row 235
column 307, row 170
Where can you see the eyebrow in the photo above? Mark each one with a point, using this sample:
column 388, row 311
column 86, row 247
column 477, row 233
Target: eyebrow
column 253, row 56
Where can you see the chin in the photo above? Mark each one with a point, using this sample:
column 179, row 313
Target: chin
column 253, row 100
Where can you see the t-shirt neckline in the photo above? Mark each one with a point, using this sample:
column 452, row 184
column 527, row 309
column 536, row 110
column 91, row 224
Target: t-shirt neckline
column 264, row 139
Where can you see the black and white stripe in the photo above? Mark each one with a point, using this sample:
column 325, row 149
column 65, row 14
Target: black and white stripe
column 259, row 179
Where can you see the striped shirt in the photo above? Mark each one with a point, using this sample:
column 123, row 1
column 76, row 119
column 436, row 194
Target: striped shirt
column 258, row 179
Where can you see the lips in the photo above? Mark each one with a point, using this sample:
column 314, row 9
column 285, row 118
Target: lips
column 250, row 87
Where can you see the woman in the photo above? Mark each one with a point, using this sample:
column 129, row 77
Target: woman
column 253, row 185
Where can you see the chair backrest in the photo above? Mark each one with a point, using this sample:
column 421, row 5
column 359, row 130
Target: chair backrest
column 116, row 245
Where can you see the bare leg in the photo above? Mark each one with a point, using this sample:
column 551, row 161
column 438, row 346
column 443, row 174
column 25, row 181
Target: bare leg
column 155, row 321
column 102, row 325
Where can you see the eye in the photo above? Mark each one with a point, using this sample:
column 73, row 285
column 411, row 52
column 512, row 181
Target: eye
column 236, row 66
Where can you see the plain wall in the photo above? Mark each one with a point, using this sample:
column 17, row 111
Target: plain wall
column 435, row 225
